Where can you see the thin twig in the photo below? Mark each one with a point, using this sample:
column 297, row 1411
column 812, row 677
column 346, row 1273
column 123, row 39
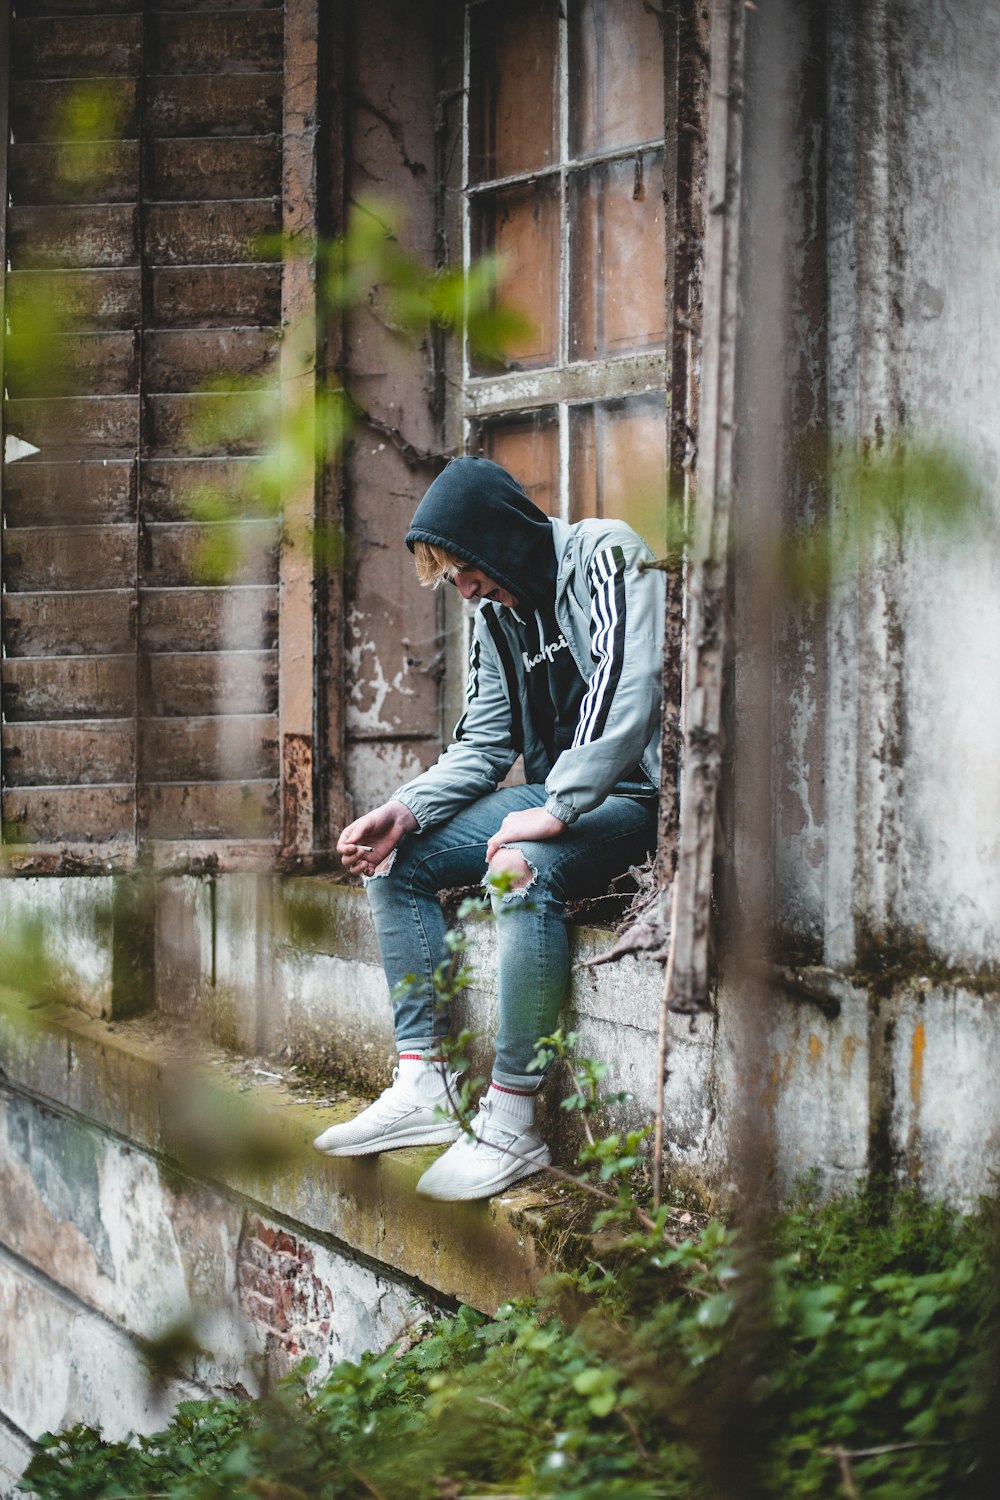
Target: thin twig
column 576, row 1084
column 640, row 1446
column 488, row 1401
column 893, row 1448
column 846, row 1472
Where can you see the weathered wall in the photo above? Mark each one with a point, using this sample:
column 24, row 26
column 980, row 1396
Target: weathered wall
column 949, row 372
column 858, row 1070
column 123, row 1215
column 392, row 628
column 871, row 137
column 104, row 1245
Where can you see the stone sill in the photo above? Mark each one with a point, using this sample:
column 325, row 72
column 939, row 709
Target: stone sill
column 832, row 1072
column 130, row 1080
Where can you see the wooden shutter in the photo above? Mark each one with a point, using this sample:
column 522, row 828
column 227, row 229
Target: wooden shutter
column 140, row 696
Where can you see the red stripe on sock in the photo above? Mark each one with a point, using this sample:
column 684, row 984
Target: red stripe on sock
column 419, row 1057
column 502, row 1088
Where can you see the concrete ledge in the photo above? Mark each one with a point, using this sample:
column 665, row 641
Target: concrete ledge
column 811, row 1069
column 290, row 970
column 132, row 1082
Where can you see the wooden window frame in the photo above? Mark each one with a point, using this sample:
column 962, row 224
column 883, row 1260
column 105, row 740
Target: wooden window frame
column 701, row 195
column 568, row 382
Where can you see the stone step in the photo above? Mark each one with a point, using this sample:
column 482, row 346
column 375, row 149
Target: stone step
column 247, row 1130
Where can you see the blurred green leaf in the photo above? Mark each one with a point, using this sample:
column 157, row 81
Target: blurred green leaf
column 913, row 488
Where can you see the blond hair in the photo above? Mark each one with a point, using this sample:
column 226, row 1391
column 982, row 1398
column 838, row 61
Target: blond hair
column 434, row 565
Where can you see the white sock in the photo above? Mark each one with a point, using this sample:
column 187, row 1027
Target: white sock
column 423, row 1073
column 517, row 1104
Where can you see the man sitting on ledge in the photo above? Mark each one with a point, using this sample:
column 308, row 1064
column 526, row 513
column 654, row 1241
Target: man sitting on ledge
column 565, row 670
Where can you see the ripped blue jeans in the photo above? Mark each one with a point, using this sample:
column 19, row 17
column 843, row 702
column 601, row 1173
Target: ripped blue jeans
column 532, row 937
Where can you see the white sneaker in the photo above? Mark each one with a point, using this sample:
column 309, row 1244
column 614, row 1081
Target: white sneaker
column 500, row 1151
column 401, row 1116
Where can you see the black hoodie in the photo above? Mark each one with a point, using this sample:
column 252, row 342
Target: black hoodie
column 479, row 513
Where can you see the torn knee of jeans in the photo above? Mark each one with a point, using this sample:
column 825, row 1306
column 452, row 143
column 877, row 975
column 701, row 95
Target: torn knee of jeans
column 383, row 868
column 517, row 874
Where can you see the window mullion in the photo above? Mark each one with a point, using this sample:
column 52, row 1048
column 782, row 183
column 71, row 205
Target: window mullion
column 564, row 266
column 466, row 208
column 564, row 256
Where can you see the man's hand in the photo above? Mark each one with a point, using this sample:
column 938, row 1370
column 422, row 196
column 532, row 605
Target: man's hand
column 369, row 840
column 527, row 825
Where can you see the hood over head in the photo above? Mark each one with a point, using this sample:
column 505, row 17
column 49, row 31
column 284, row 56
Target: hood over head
column 477, row 511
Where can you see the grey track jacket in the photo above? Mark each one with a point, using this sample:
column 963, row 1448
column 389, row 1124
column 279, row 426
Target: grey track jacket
column 611, row 615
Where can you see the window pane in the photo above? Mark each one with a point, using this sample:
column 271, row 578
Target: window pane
column 618, row 464
column 512, row 114
column 616, row 75
column 522, row 225
column 618, row 256
column 527, row 446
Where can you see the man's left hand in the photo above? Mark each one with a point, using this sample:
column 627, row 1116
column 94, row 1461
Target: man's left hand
column 525, row 826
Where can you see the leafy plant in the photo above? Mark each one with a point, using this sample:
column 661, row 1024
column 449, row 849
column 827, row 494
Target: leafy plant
column 871, row 1384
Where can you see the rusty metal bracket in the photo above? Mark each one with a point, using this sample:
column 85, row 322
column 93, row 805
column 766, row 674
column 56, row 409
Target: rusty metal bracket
column 296, row 794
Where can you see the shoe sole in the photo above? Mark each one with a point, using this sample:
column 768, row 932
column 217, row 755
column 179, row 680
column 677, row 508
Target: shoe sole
column 496, row 1184
column 423, row 1137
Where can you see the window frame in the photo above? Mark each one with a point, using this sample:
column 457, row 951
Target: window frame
column 690, row 40
column 568, row 383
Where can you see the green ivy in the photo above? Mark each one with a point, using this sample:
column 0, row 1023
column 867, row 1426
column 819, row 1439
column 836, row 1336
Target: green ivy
column 841, row 1352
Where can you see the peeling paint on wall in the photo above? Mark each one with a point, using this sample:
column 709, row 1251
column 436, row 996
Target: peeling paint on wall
column 62, row 1162
column 370, row 687
column 381, row 767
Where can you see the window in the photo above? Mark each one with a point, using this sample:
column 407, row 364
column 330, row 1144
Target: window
column 562, row 178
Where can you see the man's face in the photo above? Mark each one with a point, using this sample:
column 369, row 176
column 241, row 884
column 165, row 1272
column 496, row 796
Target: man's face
column 473, row 583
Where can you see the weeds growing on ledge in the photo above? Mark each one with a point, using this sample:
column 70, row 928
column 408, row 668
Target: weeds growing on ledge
column 866, row 1368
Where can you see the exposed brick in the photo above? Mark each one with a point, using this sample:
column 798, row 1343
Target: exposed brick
column 258, row 1230
column 279, row 1289
column 252, row 1278
column 255, row 1252
column 283, row 1264
column 283, row 1306
column 260, row 1309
